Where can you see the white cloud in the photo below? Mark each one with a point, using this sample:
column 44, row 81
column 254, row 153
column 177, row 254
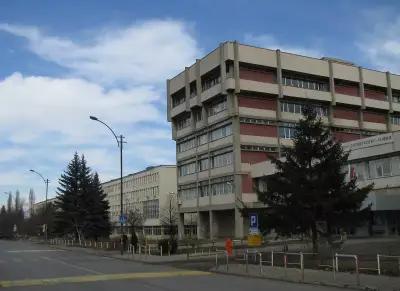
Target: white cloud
column 144, row 53
column 270, row 41
column 117, row 75
column 380, row 42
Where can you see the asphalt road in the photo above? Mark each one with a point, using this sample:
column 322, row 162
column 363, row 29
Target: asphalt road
column 29, row 266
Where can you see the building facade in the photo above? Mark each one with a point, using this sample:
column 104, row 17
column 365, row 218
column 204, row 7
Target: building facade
column 239, row 104
column 148, row 192
column 38, row 206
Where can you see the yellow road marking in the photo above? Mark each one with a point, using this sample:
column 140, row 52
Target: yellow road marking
column 95, row 278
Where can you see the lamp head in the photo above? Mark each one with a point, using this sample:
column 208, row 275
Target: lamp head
column 93, row 117
column 32, row 170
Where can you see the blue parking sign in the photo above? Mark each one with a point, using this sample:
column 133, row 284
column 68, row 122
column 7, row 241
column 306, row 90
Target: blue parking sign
column 253, row 220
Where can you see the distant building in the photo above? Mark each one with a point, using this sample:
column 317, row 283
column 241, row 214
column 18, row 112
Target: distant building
column 42, row 204
column 148, row 191
column 239, row 104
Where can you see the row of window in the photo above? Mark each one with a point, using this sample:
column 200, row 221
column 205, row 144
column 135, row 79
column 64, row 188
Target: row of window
column 216, row 161
column 395, row 119
column 304, row 83
column 217, row 106
column 297, row 108
column 205, row 138
column 208, row 83
column 219, row 188
column 182, row 123
column 131, row 183
column 374, row 169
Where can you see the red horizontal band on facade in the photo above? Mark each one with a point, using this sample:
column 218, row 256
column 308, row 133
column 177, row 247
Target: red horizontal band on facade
column 373, row 94
column 255, row 157
column 347, row 90
column 345, row 113
column 257, row 103
column 247, row 184
column 258, row 75
column 374, row 117
column 346, row 136
column 258, row 130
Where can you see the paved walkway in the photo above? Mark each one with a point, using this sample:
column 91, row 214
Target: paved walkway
column 374, row 282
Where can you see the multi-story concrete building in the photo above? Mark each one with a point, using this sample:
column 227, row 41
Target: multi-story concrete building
column 148, row 191
column 375, row 160
column 238, row 104
column 38, row 206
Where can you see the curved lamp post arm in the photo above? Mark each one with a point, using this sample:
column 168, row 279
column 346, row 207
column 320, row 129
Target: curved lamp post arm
column 37, row 173
column 102, row 122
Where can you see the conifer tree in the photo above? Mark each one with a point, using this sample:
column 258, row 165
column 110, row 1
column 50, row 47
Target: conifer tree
column 69, row 215
column 311, row 185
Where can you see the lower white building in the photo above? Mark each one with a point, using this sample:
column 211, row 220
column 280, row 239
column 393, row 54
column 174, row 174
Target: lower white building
column 373, row 160
column 151, row 192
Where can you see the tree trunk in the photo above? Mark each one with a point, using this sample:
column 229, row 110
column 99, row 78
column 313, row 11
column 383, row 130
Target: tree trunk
column 314, row 236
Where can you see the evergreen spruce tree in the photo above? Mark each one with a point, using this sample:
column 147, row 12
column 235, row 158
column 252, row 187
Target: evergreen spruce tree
column 69, row 203
column 310, row 185
column 97, row 222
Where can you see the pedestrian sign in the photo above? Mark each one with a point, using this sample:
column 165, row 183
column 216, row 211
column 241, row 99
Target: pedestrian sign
column 122, row 219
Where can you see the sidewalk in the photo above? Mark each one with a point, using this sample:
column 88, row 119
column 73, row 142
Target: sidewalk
column 348, row 280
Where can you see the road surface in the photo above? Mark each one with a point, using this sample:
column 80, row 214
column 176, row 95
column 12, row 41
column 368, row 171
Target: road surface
column 28, row 266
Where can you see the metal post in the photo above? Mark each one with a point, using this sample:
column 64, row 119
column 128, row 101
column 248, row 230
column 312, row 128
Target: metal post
column 121, row 182
column 302, row 266
column 46, row 222
column 161, row 251
column 227, row 261
column 261, row 267
column 285, row 264
column 357, row 271
column 336, row 262
column 272, row 258
column 216, row 261
column 333, row 268
column 378, row 261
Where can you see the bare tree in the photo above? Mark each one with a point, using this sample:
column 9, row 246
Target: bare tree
column 169, row 219
column 31, row 202
column 134, row 220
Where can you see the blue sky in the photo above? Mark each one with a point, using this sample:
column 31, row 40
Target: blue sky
column 61, row 61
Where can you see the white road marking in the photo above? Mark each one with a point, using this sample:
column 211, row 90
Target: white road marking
column 33, row 251
column 72, row 265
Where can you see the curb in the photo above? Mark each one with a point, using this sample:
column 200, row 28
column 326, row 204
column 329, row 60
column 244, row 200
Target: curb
column 316, row 283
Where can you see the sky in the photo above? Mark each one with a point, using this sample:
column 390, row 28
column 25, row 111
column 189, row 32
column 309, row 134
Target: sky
column 61, row 61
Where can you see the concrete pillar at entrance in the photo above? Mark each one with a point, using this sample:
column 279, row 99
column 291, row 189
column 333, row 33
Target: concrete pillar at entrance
column 203, row 224
column 181, row 226
column 213, row 224
column 239, row 224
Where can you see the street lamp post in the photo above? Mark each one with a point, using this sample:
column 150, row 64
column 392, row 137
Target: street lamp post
column 46, row 181
column 120, row 142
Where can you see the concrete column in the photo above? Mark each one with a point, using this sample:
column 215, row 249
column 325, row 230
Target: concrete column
column 169, row 107
column 389, row 91
column 222, row 66
column 279, row 73
column 212, row 221
column 332, row 83
column 181, row 226
column 239, row 224
column 236, row 66
column 361, row 86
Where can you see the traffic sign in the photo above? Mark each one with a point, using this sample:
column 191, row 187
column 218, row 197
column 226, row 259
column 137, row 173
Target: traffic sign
column 122, row 219
column 253, row 220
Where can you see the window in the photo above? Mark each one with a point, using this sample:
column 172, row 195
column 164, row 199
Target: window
column 357, row 170
column 395, row 119
column 222, row 160
column 186, row 145
column 222, row 188
column 211, row 79
column 396, row 97
column 297, row 108
column 187, row 169
column 178, row 97
column 193, row 89
column 202, row 139
column 197, row 116
column 188, row 194
column 183, row 122
column 287, row 130
column 379, row 168
column 305, row 83
column 203, row 164
column 217, row 106
column 203, row 191
column 151, row 208
column 221, row 132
